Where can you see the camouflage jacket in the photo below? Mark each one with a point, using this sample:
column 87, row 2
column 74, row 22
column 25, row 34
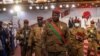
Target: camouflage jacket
column 23, row 35
column 36, row 36
column 77, row 36
column 50, row 38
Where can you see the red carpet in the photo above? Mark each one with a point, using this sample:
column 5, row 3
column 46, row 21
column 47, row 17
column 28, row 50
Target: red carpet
column 18, row 52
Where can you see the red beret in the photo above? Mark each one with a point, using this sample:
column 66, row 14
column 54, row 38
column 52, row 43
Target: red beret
column 39, row 18
column 57, row 10
column 26, row 21
column 92, row 22
column 76, row 21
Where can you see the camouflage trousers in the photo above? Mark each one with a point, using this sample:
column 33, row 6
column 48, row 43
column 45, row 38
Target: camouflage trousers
column 92, row 49
column 75, row 50
column 57, row 54
column 38, row 51
column 23, row 50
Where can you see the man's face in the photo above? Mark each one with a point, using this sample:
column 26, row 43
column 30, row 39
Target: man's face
column 4, row 25
column 92, row 25
column 25, row 24
column 55, row 17
column 40, row 22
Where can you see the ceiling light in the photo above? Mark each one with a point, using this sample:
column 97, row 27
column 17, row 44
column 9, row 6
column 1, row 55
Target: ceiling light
column 60, row 6
column 11, row 11
column 17, row 8
column 52, row 6
column 37, row 7
column 73, row 6
column 46, row 7
column 16, row 2
column 30, row 7
column 67, row 5
column 4, row 9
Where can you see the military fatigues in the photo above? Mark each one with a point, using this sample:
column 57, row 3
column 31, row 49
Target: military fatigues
column 23, row 36
column 76, row 44
column 98, row 37
column 36, row 37
column 92, row 38
column 53, row 48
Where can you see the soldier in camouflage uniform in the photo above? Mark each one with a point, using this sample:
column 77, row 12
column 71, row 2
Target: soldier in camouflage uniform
column 76, row 39
column 36, row 36
column 23, row 36
column 52, row 32
column 98, row 45
column 92, row 38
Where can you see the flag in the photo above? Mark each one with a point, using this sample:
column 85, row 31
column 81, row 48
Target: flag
column 86, row 15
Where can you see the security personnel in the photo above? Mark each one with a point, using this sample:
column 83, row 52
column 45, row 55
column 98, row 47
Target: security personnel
column 92, row 38
column 11, row 36
column 2, row 41
column 5, row 39
column 55, row 35
column 36, row 37
column 23, row 36
column 98, row 45
column 76, row 39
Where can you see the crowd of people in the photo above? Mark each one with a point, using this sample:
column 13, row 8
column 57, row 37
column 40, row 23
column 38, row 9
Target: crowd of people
column 7, row 45
column 52, row 38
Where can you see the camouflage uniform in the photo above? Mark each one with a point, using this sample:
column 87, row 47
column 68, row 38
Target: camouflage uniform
column 52, row 47
column 76, row 39
column 92, row 38
column 23, row 36
column 76, row 44
column 55, row 35
column 98, row 37
column 36, row 37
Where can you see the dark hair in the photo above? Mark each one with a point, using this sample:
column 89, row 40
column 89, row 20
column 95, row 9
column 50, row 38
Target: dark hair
column 39, row 18
column 26, row 21
column 1, row 24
